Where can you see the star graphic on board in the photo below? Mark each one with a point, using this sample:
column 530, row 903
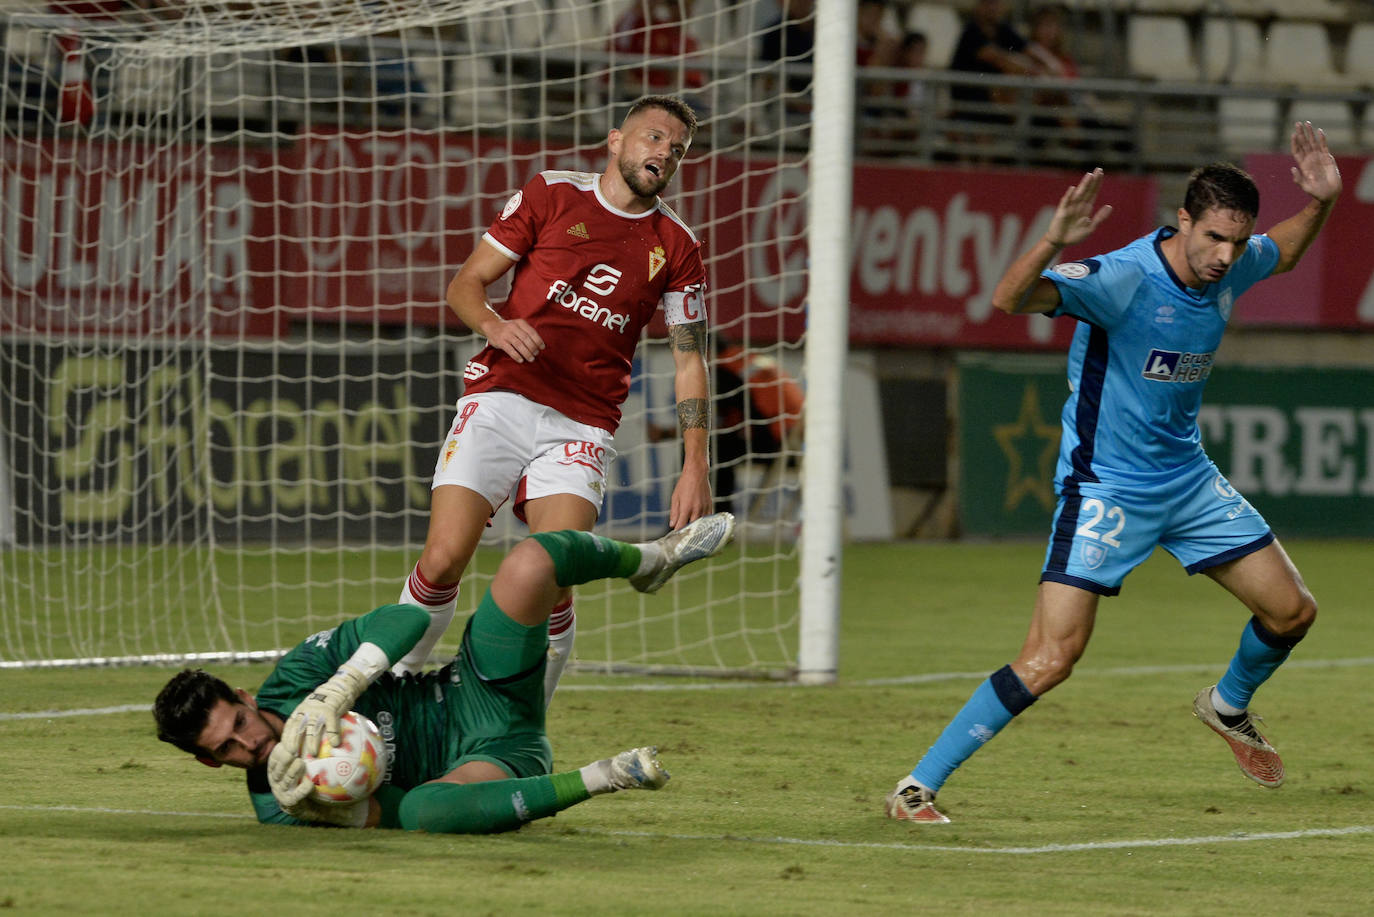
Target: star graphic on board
column 1031, row 446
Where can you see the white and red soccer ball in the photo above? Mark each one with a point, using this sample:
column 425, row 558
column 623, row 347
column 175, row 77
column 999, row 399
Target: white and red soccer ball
column 353, row 769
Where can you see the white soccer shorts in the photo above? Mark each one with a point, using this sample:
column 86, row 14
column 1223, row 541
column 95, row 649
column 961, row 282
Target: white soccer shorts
column 501, row 443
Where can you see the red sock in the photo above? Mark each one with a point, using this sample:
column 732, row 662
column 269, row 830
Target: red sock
column 561, row 618
column 431, row 594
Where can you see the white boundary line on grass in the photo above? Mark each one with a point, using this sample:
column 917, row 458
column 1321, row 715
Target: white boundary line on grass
column 1086, row 846
column 1118, row 672
column 1016, row 851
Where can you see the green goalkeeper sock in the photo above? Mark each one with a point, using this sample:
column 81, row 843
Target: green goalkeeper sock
column 580, row 557
column 489, row 807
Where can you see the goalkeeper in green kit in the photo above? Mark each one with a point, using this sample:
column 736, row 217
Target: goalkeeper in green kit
column 469, row 753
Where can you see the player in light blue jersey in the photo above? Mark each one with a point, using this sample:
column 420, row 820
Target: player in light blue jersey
column 1132, row 473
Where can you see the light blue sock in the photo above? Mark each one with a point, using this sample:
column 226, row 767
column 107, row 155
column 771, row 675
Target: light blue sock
column 1260, row 653
column 993, row 705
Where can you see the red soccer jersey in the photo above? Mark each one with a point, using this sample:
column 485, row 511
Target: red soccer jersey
column 588, row 278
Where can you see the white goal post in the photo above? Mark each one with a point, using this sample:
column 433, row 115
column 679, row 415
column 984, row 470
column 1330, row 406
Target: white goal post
column 225, row 362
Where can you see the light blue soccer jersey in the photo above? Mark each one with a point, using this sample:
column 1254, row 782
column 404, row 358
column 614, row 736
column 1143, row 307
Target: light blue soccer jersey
column 1141, row 356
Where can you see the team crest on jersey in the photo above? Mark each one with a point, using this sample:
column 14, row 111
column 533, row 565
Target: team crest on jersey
column 513, row 204
column 1225, row 299
column 1073, row 270
column 449, row 449
column 657, row 258
column 1093, row 554
column 579, row 230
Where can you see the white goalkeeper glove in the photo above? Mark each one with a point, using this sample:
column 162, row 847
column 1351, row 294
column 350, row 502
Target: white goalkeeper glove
column 286, row 775
column 291, row 787
column 317, row 717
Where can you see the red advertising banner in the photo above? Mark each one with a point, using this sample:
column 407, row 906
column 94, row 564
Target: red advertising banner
column 1333, row 285
column 342, row 227
column 138, row 240
column 929, row 245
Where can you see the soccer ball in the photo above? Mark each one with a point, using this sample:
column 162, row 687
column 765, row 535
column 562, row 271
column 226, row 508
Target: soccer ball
column 354, row 769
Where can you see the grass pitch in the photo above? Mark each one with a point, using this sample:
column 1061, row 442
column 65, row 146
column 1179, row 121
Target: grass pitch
column 1106, row 797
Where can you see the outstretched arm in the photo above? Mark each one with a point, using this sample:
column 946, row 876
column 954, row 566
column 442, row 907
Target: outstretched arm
column 1315, row 172
column 1021, row 288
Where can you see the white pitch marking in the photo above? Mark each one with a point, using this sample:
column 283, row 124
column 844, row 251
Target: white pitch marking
column 736, row 684
column 824, row 842
column 1012, row 851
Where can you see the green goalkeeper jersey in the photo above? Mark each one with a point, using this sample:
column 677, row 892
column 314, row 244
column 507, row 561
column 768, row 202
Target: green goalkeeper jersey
column 411, row 711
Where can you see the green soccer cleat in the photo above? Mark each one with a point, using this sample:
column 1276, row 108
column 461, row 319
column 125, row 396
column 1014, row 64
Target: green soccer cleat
column 1258, row 759
column 694, row 541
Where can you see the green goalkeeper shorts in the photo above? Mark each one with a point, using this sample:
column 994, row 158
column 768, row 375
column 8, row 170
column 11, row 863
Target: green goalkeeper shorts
column 498, row 715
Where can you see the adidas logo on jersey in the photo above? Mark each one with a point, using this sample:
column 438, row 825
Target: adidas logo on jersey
column 579, row 230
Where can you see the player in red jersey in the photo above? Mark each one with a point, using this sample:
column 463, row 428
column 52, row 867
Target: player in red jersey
column 594, row 255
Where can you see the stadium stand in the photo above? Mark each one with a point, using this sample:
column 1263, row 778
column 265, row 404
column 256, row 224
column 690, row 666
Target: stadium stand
column 1249, row 124
column 1232, row 50
column 1160, row 48
column 1359, row 56
column 1300, row 53
column 1334, row 116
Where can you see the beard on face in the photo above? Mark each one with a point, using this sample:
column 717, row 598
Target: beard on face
column 638, row 185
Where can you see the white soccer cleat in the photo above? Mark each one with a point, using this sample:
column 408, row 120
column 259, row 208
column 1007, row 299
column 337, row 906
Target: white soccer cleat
column 638, row 769
column 912, row 802
column 694, row 541
column 1258, row 759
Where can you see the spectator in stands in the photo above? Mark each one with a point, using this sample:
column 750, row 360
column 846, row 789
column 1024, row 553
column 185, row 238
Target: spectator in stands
column 904, row 100
column 1071, row 116
column 650, row 29
column 988, row 44
column 791, row 34
column 876, row 44
column 789, row 39
column 1046, row 45
column 911, row 55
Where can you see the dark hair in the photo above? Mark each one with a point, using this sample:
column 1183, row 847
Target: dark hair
column 183, row 705
column 912, row 39
column 1221, row 186
column 673, row 105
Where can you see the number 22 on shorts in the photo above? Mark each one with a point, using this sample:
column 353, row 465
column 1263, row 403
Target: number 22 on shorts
column 1093, row 512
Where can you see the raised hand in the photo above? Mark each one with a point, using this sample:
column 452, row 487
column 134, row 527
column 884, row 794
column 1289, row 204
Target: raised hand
column 1315, row 170
column 1074, row 219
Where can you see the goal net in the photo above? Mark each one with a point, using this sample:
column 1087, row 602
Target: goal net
column 225, row 362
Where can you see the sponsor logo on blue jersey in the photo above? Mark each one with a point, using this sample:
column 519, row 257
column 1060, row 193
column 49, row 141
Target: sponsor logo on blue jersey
column 1172, row 366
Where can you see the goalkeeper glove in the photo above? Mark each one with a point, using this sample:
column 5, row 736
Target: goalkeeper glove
column 317, row 717
column 291, row 787
column 286, row 775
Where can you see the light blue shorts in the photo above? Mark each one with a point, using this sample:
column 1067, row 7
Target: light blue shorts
column 1102, row 531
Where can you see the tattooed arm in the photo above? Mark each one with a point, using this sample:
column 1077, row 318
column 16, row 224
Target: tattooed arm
column 692, row 495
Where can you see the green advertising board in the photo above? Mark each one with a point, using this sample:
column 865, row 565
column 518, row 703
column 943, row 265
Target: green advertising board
column 1298, row 443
